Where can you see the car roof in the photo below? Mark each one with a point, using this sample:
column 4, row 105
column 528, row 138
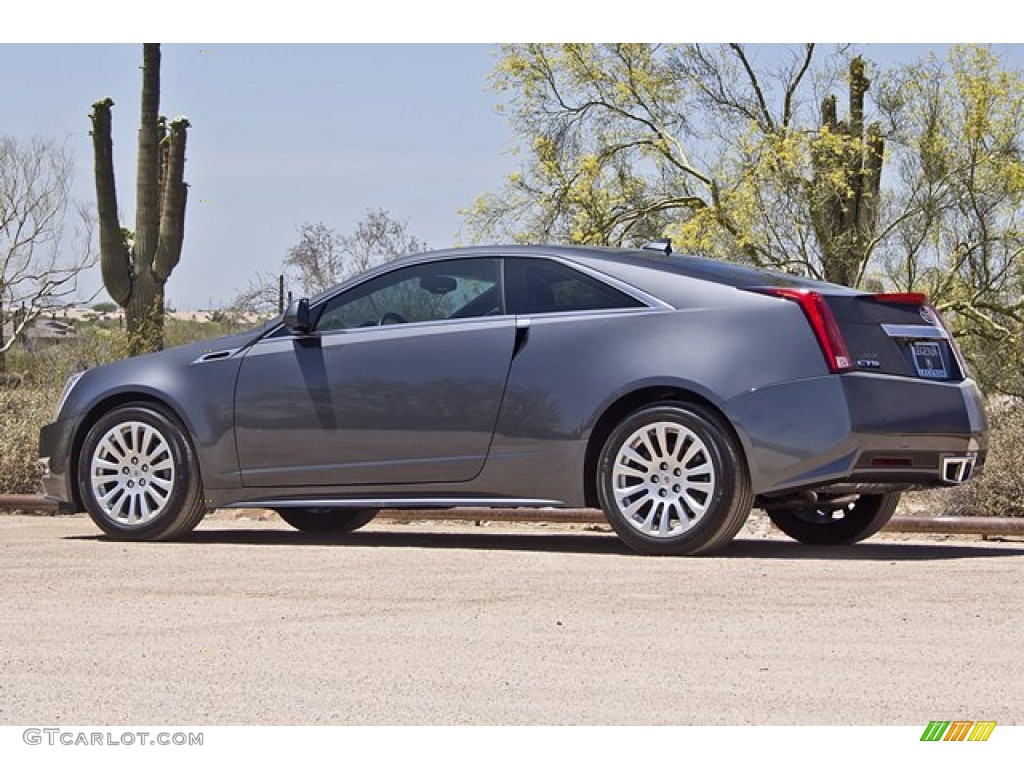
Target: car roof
column 646, row 269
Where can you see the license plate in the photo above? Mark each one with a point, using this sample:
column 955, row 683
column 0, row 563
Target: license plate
column 928, row 360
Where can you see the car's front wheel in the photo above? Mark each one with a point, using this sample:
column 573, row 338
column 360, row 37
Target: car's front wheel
column 326, row 519
column 672, row 481
column 836, row 519
column 138, row 476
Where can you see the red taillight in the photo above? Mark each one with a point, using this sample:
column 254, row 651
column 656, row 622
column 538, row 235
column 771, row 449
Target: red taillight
column 913, row 299
column 822, row 322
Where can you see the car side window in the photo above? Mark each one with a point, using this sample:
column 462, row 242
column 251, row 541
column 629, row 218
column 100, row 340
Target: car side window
column 444, row 290
column 539, row 285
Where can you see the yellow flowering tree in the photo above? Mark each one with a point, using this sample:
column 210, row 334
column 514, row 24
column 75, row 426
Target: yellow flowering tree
column 628, row 142
column 914, row 183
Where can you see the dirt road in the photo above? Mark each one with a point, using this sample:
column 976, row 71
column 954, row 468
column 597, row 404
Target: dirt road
column 252, row 623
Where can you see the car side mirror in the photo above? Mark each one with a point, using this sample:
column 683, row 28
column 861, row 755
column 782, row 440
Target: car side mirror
column 296, row 317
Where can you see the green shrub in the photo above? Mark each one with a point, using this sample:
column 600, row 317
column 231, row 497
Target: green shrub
column 178, row 331
column 22, row 412
column 25, row 409
column 94, row 345
column 999, row 489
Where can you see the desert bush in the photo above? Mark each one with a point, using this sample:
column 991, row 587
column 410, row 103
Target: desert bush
column 95, row 344
column 22, row 412
column 98, row 343
column 25, row 409
column 178, row 331
column 999, row 489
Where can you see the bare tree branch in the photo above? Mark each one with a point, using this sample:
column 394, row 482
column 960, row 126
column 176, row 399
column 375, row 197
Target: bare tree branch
column 794, row 84
column 766, row 115
column 41, row 256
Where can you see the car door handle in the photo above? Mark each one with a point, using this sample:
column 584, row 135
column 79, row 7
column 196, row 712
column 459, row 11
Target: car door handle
column 522, row 335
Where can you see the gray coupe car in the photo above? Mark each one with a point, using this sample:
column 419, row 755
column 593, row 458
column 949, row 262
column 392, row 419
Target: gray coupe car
column 673, row 392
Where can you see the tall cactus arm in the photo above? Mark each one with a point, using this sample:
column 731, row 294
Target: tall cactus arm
column 115, row 263
column 147, row 195
column 172, row 208
column 829, row 113
column 859, row 85
column 874, row 156
column 162, row 143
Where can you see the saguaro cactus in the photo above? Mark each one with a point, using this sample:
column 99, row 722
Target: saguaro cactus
column 136, row 266
column 847, row 162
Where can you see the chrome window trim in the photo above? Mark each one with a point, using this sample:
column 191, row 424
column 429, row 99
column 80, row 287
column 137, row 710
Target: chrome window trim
column 445, row 322
column 580, row 313
column 649, row 301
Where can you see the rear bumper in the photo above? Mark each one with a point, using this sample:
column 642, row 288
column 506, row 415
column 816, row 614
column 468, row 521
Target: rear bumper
column 861, row 428
column 915, row 431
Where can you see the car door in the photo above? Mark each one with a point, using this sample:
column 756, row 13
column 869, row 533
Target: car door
column 401, row 382
column 562, row 370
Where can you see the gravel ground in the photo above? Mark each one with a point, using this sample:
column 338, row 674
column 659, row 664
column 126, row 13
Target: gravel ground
column 249, row 622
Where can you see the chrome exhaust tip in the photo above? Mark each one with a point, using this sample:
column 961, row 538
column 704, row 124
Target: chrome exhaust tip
column 957, row 469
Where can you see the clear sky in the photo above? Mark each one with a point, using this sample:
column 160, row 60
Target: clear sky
column 281, row 135
column 286, row 134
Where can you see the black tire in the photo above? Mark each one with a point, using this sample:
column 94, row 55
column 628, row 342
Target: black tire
column 830, row 524
column 698, row 504
column 326, row 519
column 138, row 445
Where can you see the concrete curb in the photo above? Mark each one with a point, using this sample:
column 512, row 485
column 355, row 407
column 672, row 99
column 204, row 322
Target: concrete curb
column 985, row 526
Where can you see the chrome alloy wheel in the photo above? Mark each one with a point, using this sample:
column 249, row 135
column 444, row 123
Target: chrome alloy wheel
column 132, row 473
column 663, row 479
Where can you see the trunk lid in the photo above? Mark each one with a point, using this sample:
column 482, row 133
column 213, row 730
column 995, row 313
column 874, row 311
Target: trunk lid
column 896, row 334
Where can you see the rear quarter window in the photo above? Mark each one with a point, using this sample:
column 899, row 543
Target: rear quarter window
column 537, row 285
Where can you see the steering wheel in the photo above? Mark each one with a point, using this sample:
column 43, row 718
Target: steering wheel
column 391, row 318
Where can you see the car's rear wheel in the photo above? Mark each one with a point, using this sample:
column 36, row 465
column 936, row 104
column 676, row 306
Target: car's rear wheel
column 673, row 481
column 138, row 476
column 836, row 519
column 326, row 519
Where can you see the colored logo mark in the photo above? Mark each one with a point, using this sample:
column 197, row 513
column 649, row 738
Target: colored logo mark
column 958, row 730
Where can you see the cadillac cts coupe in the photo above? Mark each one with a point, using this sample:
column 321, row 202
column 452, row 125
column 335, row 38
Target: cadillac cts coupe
column 673, row 392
